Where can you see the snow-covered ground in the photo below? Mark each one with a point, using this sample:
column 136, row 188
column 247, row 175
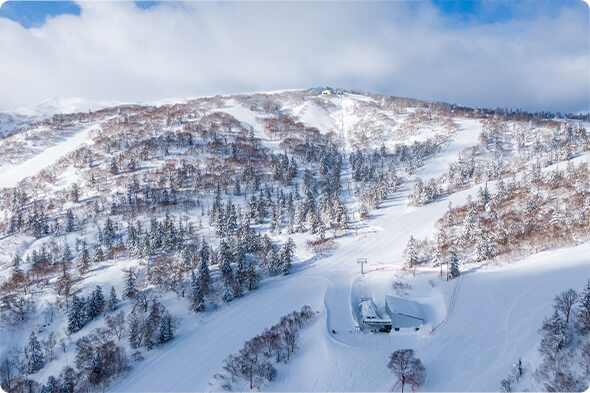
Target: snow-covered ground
column 475, row 326
column 497, row 310
column 12, row 174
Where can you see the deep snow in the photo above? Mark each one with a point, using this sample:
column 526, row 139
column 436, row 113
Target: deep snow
column 495, row 316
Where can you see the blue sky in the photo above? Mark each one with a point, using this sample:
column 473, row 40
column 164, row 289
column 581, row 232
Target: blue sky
column 34, row 13
column 521, row 54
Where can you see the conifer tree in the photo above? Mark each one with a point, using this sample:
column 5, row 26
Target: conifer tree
column 203, row 270
column 130, row 286
column 114, row 168
column 204, row 252
column 69, row 221
column 166, row 331
column 98, row 254
column 52, row 385
column 84, row 261
column 273, row 262
column 453, row 265
column 197, row 295
column 186, row 258
column 34, row 354
column 583, row 316
column 98, row 300
column 95, row 304
column 225, row 257
column 68, row 380
column 286, row 254
column 237, row 290
column 135, row 327
column 321, row 233
column 151, row 326
column 108, row 235
column 227, row 292
column 67, row 254
column 113, row 302
column 76, row 315
column 241, row 270
column 411, row 254
column 251, row 279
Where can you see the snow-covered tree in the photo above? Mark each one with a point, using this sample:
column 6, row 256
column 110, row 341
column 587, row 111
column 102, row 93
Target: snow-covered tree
column 485, row 247
column 76, row 315
column 197, row 294
column 583, row 315
column 130, row 289
column 135, row 324
column 251, row 277
column 453, row 265
column 410, row 253
column 285, row 256
column 34, row 354
column 203, row 269
column 554, row 335
column 113, row 301
column 67, row 254
column 95, row 304
column 84, row 259
column 166, row 330
column 114, row 168
column 69, row 221
column 98, row 254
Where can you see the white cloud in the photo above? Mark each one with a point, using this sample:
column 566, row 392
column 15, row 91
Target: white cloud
column 116, row 51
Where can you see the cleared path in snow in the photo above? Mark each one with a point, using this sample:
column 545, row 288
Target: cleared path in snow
column 194, row 356
column 11, row 175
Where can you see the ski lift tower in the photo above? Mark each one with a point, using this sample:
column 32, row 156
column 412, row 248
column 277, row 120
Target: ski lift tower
column 362, row 262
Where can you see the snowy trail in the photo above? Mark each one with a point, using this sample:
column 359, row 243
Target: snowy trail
column 12, row 174
column 467, row 136
column 197, row 353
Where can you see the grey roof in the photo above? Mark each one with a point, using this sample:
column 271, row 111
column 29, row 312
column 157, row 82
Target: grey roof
column 405, row 321
column 404, row 306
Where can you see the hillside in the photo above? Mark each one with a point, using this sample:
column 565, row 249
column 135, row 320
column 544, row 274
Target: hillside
column 213, row 218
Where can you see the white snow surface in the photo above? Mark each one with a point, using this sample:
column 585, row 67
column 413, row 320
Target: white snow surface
column 11, row 175
column 493, row 319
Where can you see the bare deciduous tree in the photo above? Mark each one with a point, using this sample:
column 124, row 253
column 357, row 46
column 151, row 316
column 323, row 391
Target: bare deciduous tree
column 564, row 303
column 406, row 367
column 117, row 324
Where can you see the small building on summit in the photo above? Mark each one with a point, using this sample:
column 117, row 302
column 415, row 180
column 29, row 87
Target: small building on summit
column 405, row 314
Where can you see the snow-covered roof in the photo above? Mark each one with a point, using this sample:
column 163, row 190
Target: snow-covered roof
column 403, row 306
column 368, row 310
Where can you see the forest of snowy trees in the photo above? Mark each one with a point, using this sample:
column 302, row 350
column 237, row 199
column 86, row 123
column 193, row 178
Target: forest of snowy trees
column 185, row 204
column 564, row 348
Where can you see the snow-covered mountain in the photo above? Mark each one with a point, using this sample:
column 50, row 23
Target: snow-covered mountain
column 212, row 219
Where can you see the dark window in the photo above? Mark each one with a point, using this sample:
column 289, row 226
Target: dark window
column 417, row 328
column 397, row 329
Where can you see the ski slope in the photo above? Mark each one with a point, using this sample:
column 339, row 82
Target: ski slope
column 494, row 318
column 12, row 174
